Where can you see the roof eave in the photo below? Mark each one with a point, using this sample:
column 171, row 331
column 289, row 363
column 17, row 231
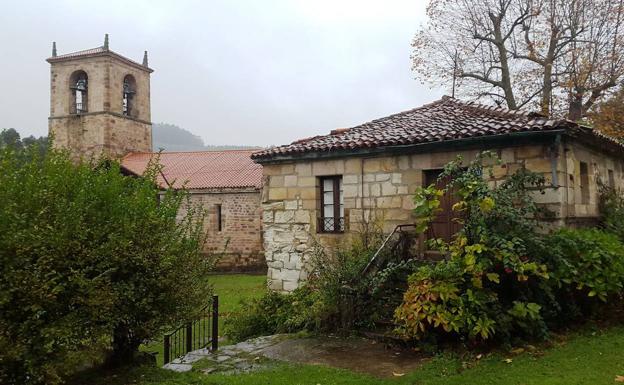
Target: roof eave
column 492, row 140
column 97, row 54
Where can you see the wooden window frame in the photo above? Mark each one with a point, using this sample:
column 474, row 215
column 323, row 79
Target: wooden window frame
column 338, row 220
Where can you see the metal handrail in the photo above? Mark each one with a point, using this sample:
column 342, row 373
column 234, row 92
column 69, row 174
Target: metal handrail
column 193, row 335
column 374, row 260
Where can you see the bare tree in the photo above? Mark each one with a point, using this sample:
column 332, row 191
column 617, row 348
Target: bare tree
column 479, row 32
column 595, row 62
column 525, row 53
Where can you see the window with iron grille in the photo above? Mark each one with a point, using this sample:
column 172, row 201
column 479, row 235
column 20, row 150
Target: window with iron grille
column 331, row 219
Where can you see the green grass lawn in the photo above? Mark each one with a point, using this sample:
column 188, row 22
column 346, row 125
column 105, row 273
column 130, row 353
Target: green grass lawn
column 590, row 357
column 231, row 289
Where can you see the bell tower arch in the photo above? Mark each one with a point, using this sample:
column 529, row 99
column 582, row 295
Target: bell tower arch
column 99, row 103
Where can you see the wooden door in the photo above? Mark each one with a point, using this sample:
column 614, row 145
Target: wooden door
column 443, row 226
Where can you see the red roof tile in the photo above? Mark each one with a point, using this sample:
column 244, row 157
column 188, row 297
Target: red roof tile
column 98, row 51
column 442, row 120
column 200, row 170
column 86, row 52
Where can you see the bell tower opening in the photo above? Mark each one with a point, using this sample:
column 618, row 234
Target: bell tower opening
column 129, row 89
column 78, row 84
column 99, row 103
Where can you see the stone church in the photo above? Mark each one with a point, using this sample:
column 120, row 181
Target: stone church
column 100, row 106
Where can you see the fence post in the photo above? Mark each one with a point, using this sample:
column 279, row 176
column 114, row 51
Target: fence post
column 189, row 337
column 166, row 349
column 215, row 322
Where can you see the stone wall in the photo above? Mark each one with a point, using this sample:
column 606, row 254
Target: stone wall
column 103, row 128
column 381, row 188
column 241, row 228
column 93, row 134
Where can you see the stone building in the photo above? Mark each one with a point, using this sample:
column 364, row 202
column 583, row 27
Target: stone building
column 322, row 189
column 228, row 185
column 100, row 106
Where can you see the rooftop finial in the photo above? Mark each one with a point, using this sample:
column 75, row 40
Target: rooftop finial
column 145, row 59
column 53, row 49
column 106, row 42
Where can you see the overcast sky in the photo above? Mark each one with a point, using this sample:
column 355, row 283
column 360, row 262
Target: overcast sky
column 232, row 71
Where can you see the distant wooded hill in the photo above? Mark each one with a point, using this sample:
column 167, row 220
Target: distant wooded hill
column 166, row 136
column 173, row 138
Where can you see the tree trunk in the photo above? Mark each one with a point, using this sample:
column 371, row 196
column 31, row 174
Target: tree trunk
column 124, row 347
column 575, row 109
column 548, row 69
column 547, row 91
column 499, row 42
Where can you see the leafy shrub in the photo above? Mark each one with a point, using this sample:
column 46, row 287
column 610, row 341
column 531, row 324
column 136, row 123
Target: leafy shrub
column 274, row 313
column 612, row 210
column 489, row 286
column 587, row 261
column 474, row 295
column 88, row 256
column 329, row 300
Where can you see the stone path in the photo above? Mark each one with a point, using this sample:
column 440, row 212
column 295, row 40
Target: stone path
column 239, row 357
column 356, row 354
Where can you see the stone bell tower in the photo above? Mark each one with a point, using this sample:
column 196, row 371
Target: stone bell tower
column 99, row 103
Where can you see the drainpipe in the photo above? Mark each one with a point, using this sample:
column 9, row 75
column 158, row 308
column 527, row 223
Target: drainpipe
column 567, row 184
column 554, row 155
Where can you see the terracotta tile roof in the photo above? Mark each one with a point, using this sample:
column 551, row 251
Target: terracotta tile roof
column 201, row 169
column 442, row 120
column 94, row 52
column 86, row 52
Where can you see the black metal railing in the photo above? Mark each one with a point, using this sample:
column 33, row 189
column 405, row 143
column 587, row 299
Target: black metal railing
column 330, row 225
column 78, row 108
column 194, row 335
column 399, row 245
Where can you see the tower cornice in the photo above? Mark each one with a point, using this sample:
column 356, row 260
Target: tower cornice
column 97, row 52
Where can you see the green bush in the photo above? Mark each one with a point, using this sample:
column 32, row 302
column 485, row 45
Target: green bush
column 612, row 210
column 503, row 278
column 274, row 313
column 588, row 261
column 332, row 297
column 89, row 259
column 491, row 285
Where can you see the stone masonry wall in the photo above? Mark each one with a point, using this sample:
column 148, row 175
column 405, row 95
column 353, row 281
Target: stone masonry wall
column 103, row 128
column 381, row 189
column 91, row 135
column 241, row 228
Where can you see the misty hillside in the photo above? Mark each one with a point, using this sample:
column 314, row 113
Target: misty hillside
column 173, row 138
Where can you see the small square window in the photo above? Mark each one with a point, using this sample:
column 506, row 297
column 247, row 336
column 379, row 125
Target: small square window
column 331, row 219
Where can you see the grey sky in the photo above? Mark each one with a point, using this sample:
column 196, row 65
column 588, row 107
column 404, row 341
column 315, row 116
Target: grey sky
column 233, row 72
